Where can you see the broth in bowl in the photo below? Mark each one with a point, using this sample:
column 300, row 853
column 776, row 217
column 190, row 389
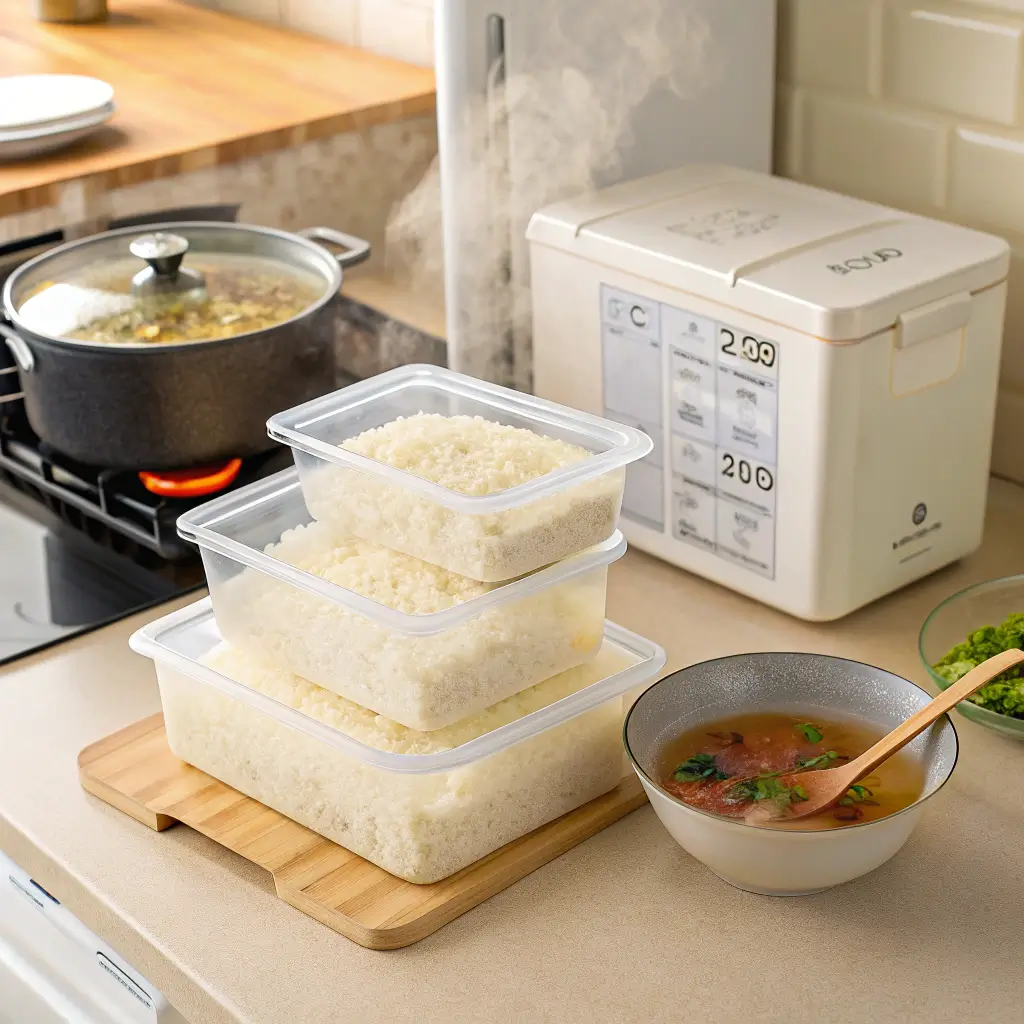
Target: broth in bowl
column 748, row 767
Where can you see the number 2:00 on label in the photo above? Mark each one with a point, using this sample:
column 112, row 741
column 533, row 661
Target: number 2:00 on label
column 740, row 349
column 746, row 480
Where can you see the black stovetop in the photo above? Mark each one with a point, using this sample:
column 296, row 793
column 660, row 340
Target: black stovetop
column 81, row 546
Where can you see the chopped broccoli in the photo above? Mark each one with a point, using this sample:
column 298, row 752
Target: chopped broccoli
column 1005, row 694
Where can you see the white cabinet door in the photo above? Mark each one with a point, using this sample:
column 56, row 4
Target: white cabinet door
column 53, row 970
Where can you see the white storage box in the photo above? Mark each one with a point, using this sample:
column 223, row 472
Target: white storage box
column 494, row 535
column 818, row 375
column 421, row 816
column 423, row 670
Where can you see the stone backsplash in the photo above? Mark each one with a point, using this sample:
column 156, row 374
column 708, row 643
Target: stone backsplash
column 350, row 182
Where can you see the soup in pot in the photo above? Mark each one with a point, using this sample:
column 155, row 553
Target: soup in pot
column 241, row 294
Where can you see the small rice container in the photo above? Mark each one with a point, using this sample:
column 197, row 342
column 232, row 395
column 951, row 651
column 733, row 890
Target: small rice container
column 420, row 816
column 489, row 537
column 424, row 671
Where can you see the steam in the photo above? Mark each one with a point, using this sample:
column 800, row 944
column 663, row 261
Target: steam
column 565, row 124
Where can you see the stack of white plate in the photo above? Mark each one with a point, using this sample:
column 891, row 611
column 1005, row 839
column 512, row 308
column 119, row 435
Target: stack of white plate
column 40, row 113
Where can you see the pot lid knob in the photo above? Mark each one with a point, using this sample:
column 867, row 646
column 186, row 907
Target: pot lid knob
column 163, row 252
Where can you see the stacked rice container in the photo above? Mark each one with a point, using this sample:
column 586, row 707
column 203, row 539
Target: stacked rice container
column 405, row 646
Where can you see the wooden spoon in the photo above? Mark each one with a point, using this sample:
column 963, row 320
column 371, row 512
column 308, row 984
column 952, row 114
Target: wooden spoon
column 828, row 786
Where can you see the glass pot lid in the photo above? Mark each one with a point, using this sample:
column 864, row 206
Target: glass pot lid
column 171, row 284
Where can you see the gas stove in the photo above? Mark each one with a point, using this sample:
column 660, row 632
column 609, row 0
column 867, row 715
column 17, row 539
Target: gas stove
column 82, row 546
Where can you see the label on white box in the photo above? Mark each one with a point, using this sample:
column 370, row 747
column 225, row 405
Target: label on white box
column 694, row 461
column 746, row 481
column 748, row 413
column 717, row 450
column 632, row 374
column 694, row 334
column 631, row 313
column 693, row 400
column 748, row 353
column 694, row 514
column 746, row 537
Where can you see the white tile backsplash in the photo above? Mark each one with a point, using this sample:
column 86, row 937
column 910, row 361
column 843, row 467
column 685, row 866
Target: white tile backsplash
column 1012, row 373
column 403, row 29
column 949, row 62
column 398, row 28
column 987, row 174
column 261, row 10
column 789, row 131
column 826, row 42
column 332, row 19
column 918, row 105
column 885, row 154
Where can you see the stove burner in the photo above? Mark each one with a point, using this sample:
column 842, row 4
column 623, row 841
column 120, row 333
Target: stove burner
column 192, row 483
column 115, row 507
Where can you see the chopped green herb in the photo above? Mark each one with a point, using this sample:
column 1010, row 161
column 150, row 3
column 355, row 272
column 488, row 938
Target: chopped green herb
column 1005, row 694
column 858, row 795
column 811, row 734
column 699, row 768
column 821, row 761
column 767, row 787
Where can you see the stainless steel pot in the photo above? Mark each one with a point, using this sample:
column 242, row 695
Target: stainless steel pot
column 102, row 387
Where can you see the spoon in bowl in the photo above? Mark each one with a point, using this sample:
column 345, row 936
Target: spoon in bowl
column 826, row 787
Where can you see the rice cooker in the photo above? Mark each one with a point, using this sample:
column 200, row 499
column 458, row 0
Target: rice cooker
column 818, row 375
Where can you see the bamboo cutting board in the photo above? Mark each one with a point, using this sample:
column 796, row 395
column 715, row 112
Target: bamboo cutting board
column 135, row 771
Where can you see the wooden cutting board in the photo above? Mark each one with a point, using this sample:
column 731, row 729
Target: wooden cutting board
column 135, row 771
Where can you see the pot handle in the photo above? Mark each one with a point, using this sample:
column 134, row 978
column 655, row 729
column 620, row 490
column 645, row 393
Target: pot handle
column 21, row 352
column 358, row 248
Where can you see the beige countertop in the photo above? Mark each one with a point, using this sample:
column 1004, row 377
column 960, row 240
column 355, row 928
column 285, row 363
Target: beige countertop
column 625, row 927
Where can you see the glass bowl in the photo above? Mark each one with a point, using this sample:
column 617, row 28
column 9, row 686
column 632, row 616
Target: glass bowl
column 984, row 604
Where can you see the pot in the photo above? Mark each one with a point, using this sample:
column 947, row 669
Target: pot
column 171, row 348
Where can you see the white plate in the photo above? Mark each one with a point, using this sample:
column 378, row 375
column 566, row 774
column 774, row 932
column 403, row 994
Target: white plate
column 22, row 145
column 37, row 101
column 68, row 125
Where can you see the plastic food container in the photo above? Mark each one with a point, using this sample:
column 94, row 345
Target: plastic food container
column 493, row 537
column 424, row 671
column 420, row 816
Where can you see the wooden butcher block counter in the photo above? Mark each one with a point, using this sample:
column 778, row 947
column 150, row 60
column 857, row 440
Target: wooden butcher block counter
column 195, row 89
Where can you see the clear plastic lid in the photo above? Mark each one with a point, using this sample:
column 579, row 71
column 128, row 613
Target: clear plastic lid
column 320, row 427
column 181, row 639
column 174, row 284
column 241, row 524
